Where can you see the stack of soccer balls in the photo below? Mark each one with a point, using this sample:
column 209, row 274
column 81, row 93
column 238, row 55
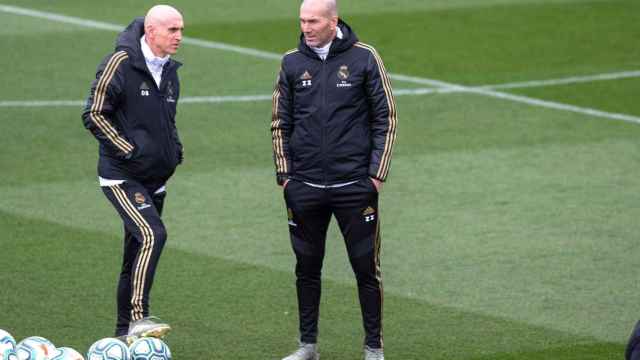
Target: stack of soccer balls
column 38, row 348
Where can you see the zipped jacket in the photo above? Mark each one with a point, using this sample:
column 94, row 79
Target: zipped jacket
column 333, row 120
column 132, row 118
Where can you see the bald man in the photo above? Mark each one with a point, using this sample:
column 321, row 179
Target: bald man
column 131, row 111
column 333, row 130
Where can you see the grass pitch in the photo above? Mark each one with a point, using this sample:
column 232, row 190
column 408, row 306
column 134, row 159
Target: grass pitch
column 509, row 229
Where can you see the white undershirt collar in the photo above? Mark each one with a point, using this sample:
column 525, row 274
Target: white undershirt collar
column 324, row 51
column 154, row 63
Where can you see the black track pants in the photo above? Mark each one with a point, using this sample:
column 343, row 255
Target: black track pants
column 144, row 238
column 355, row 207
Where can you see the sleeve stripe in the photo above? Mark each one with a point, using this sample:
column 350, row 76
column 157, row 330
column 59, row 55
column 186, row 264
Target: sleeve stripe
column 276, row 133
column 98, row 103
column 101, row 91
column 96, row 108
column 391, row 131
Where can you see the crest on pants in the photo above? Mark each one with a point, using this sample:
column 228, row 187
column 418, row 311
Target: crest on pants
column 369, row 214
column 139, row 198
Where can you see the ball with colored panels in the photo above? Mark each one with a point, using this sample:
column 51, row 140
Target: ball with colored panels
column 8, row 354
column 35, row 348
column 66, row 353
column 149, row 349
column 7, row 344
column 108, row 349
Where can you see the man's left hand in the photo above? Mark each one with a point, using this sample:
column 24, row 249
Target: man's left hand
column 377, row 183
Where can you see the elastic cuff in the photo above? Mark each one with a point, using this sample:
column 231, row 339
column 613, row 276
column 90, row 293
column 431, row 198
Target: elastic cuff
column 377, row 178
column 281, row 178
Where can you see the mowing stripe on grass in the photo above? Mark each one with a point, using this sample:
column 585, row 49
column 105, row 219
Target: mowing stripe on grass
column 445, row 86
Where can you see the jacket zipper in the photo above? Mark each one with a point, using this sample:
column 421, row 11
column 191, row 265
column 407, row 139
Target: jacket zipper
column 164, row 125
column 324, row 123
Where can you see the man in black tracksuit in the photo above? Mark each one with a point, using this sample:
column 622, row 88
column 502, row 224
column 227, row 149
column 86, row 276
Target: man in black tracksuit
column 333, row 130
column 131, row 112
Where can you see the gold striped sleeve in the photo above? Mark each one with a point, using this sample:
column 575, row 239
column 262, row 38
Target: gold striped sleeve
column 385, row 161
column 98, row 103
column 276, row 133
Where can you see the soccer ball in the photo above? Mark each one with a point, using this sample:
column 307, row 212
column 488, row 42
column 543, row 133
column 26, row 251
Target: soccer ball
column 65, row 353
column 35, row 348
column 7, row 345
column 108, row 349
column 8, row 354
column 149, row 349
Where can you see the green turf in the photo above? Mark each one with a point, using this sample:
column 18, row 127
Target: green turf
column 241, row 10
column 221, row 308
column 477, row 45
column 509, row 230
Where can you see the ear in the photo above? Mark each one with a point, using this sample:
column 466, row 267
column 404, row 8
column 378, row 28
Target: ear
column 149, row 30
column 334, row 21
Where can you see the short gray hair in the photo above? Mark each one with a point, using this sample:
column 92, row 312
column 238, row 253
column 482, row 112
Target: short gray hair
column 330, row 5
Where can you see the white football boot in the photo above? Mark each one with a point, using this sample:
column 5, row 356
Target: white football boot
column 305, row 352
column 149, row 326
column 373, row 354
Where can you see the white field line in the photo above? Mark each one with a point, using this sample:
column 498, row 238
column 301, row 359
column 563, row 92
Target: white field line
column 184, row 100
column 443, row 86
column 537, row 102
column 117, row 28
column 564, row 81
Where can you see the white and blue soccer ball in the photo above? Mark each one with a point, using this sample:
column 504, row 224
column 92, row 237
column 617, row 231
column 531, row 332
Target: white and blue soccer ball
column 108, row 349
column 35, row 348
column 7, row 345
column 149, row 349
column 66, row 353
column 8, row 354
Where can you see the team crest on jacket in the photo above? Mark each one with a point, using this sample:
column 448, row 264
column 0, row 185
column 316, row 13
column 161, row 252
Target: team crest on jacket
column 343, row 73
column 306, row 78
column 170, row 96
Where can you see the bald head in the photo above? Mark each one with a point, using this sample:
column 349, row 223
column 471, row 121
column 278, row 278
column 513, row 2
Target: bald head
column 160, row 14
column 163, row 27
column 328, row 8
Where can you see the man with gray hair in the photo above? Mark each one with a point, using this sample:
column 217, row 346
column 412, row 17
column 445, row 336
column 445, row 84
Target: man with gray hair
column 333, row 130
column 131, row 112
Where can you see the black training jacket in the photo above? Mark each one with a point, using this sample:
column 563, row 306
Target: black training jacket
column 334, row 120
column 133, row 119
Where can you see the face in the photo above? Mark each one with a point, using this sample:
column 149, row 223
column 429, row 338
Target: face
column 317, row 25
column 165, row 36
